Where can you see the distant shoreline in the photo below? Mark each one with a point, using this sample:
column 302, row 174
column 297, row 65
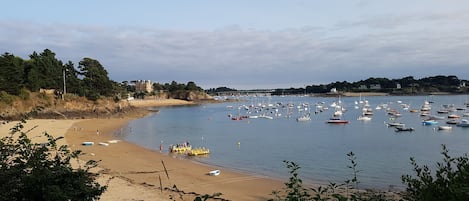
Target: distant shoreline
column 357, row 94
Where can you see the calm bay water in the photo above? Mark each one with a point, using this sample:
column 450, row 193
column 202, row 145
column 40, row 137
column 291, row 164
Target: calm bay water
column 260, row 145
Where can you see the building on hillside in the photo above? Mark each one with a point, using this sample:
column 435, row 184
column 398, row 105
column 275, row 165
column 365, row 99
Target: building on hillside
column 398, row 86
column 143, row 86
column 363, row 87
column 375, row 86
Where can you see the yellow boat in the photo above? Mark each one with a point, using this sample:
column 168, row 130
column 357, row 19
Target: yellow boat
column 198, row 151
column 180, row 149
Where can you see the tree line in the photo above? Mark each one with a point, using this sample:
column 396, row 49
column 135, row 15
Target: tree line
column 89, row 78
column 44, row 71
column 407, row 85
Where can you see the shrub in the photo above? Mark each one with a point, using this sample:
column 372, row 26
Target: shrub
column 450, row 181
column 6, row 98
column 42, row 171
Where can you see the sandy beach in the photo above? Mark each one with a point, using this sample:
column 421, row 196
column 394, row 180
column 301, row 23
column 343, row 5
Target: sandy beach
column 136, row 172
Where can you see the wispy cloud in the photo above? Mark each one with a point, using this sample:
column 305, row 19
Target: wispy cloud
column 246, row 58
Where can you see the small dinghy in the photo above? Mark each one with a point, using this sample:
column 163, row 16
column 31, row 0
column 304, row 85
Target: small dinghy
column 87, row 143
column 103, row 144
column 401, row 129
column 214, row 173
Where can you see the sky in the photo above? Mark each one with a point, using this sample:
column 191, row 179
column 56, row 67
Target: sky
column 246, row 44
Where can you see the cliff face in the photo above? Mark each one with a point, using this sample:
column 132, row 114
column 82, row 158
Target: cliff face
column 74, row 107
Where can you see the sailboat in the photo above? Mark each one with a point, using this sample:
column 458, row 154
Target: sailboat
column 305, row 117
column 337, row 116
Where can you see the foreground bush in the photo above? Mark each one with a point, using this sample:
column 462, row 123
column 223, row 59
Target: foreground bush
column 450, row 182
column 42, row 171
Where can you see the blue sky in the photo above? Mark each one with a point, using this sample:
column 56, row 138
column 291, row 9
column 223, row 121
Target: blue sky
column 246, row 44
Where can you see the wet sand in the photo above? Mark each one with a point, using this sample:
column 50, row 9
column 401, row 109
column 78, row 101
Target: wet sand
column 144, row 168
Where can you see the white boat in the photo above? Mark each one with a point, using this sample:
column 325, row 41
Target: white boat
column 214, row 173
column 445, row 127
column 429, row 122
column 306, row 117
column 463, row 123
column 453, row 116
column 364, row 118
column 265, row 116
column 395, row 124
column 103, row 144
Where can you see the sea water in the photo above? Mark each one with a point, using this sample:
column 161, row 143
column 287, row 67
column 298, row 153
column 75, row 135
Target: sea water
column 260, row 145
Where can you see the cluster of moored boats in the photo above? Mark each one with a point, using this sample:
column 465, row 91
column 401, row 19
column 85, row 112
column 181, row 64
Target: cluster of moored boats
column 432, row 120
column 271, row 111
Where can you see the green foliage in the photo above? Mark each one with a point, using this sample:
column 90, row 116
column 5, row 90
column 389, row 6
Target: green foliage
column 6, row 98
column 354, row 180
column 24, row 94
column 44, row 71
column 294, row 189
column 191, row 86
column 219, row 89
column 449, row 182
column 95, row 78
column 175, row 87
column 11, row 73
column 42, row 171
column 408, row 84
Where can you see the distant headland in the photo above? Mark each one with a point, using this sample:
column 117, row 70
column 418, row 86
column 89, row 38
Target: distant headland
column 434, row 85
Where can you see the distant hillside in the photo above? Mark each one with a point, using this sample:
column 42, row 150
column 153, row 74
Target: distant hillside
column 439, row 84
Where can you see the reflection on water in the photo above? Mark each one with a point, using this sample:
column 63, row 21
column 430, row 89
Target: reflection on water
column 258, row 144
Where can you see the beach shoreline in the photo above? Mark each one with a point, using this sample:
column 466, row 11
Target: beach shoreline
column 138, row 171
column 133, row 172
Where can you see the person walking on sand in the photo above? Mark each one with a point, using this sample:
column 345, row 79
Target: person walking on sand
column 97, row 132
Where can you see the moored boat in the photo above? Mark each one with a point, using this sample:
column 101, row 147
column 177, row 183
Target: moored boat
column 445, row 127
column 180, row 148
column 402, row 128
column 429, row 122
column 395, row 124
column 453, row 116
column 198, row 151
column 452, row 121
column 337, row 121
column 435, row 117
column 463, row 123
column 364, row 118
column 306, row 117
